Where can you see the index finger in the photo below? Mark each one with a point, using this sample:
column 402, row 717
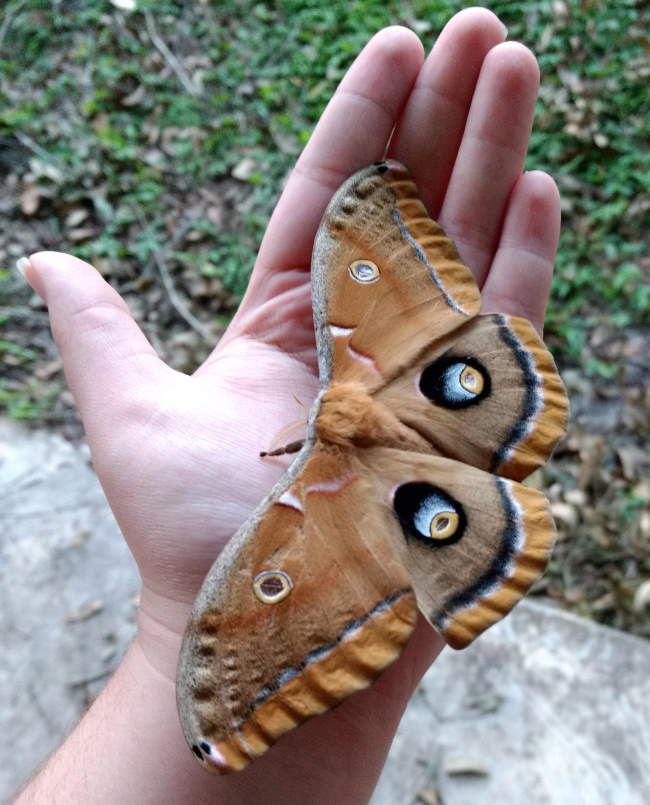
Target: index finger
column 353, row 131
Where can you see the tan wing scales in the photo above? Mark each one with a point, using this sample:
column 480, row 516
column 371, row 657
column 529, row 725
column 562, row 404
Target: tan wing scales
column 316, row 594
column 509, row 421
column 252, row 669
column 497, row 544
column 386, row 279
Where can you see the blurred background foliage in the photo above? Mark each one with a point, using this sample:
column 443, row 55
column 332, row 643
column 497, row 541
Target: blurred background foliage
column 152, row 139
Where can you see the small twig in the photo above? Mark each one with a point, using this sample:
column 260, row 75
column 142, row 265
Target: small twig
column 22, row 313
column 33, row 146
column 8, row 18
column 176, row 301
column 186, row 223
column 80, row 683
column 172, row 61
column 38, row 706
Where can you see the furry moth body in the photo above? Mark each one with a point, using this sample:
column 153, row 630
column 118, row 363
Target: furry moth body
column 404, row 496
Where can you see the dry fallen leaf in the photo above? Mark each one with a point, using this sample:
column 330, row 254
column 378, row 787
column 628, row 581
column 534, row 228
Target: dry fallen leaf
column 82, row 233
column 642, row 596
column 76, row 217
column 30, row 198
column 565, row 513
column 244, row 169
column 124, row 5
column 44, row 371
column 429, row 796
column 632, row 459
column 135, row 97
column 85, row 611
column 576, row 497
column 459, row 766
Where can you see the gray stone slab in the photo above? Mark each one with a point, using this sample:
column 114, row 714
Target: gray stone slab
column 61, row 560
column 545, row 708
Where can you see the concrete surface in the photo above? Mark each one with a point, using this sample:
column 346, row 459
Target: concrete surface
column 544, row 709
column 67, row 587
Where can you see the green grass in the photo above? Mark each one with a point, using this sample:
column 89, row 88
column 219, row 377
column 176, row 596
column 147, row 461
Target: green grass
column 105, row 129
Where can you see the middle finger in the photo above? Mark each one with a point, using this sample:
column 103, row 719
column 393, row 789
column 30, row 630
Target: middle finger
column 491, row 155
column 429, row 133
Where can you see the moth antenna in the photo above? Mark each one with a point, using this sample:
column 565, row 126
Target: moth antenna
column 300, row 403
column 293, row 447
column 289, row 447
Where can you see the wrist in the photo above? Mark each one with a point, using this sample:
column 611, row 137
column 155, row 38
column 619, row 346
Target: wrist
column 161, row 624
column 134, row 750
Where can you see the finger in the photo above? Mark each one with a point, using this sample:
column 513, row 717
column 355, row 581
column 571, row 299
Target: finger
column 353, row 131
column 106, row 356
column 431, row 128
column 491, row 154
column 520, row 276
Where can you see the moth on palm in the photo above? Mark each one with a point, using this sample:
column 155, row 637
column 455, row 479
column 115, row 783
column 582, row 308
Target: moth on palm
column 406, row 492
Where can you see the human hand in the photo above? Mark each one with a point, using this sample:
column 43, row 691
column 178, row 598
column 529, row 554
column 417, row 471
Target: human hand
column 178, row 455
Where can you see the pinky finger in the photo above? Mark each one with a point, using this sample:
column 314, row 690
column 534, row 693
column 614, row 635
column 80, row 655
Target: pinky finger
column 520, row 276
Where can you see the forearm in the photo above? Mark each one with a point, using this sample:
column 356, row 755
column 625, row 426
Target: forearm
column 124, row 750
column 129, row 747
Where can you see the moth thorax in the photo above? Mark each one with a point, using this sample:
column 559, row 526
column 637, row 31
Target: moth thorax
column 349, row 416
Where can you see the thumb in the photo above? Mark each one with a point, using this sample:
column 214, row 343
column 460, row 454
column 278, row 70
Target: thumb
column 107, row 359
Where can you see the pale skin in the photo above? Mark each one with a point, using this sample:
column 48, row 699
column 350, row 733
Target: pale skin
column 178, row 455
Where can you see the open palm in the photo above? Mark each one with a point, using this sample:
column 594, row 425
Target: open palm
column 178, row 455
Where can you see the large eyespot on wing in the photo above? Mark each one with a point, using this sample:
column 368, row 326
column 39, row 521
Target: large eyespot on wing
column 488, row 394
column 487, row 559
column 525, row 541
column 386, row 281
column 455, row 381
column 309, row 604
column 429, row 514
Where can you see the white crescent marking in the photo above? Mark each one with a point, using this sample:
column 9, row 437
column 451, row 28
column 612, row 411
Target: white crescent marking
column 365, row 360
column 287, row 499
column 340, row 332
column 333, row 486
column 215, row 756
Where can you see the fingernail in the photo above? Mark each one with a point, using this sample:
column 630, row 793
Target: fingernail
column 505, row 30
column 22, row 264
